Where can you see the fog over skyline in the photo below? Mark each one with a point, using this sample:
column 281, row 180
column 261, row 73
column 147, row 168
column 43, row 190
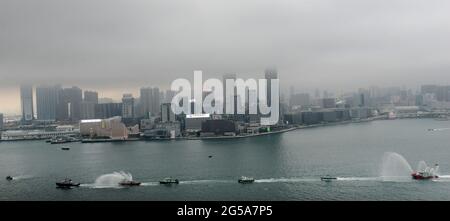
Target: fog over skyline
column 116, row 47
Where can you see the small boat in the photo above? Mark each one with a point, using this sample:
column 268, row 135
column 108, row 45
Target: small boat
column 328, row 178
column 9, row 178
column 169, row 181
column 65, row 148
column 245, row 179
column 67, row 183
column 129, row 183
column 209, row 156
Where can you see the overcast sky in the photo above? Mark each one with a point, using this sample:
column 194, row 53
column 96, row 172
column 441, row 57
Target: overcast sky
column 117, row 46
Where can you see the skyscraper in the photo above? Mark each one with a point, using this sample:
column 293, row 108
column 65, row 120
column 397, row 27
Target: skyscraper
column 108, row 110
column 224, row 100
column 150, row 101
column 73, row 99
column 46, row 102
column 167, row 114
column 269, row 75
column 91, row 96
column 127, row 106
column 169, row 96
column 156, row 102
column 1, row 122
column 88, row 105
column 26, row 98
column 145, row 100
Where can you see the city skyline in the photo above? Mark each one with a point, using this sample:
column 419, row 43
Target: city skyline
column 315, row 44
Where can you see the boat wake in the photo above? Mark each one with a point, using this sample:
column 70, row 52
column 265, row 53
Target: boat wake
column 359, row 178
column 206, row 181
column 150, row 184
column 439, row 129
column 22, row 177
column 287, row 180
column 110, row 180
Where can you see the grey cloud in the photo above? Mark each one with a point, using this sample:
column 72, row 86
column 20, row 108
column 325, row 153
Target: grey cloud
column 313, row 43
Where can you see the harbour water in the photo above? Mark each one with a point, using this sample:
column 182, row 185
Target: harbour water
column 286, row 166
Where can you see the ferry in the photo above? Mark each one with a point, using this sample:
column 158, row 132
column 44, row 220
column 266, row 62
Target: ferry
column 328, row 178
column 169, row 181
column 67, row 183
column 244, row 179
column 129, row 183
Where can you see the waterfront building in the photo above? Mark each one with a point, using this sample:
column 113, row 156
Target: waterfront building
column 167, row 130
column 311, row 117
column 148, row 124
column 360, row 113
column 329, row 116
column 111, row 128
column 193, row 122
column 328, row 102
column 36, row 134
column 293, row 118
column 219, row 127
column 26, row 99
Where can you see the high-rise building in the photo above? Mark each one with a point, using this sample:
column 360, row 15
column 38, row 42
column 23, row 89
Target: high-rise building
column 127, row 106
column 146, row 100
column 156, row 101
column 73, row 99
column 301, row 99
column 1, row 122
column 167, row 114
column 328, row 103
column 150, row 100
column 26, row 98
column 46, row 102
column 88, row 105
column 87, row 110
column 169, row 96
column 108, row 110
column 269, row 75
column 224, row 82
column 91, row 96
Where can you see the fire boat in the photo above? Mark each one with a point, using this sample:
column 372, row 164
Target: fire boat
column 426, row 174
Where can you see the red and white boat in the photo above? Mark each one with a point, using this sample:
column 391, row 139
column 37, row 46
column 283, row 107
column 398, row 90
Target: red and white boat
column 426, row 174
column 423, row 176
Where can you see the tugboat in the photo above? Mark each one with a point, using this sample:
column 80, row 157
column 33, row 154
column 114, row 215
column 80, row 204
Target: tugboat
column 129, row 183
column 9, row 178
column 328, row 178
column 426, row 174
column 245, row 179
column 67, row 183
column 169, row 181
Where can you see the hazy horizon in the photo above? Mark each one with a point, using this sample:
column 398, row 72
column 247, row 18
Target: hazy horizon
column 116, row 47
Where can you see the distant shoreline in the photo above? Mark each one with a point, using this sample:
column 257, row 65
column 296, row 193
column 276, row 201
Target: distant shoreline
column 297, row 127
